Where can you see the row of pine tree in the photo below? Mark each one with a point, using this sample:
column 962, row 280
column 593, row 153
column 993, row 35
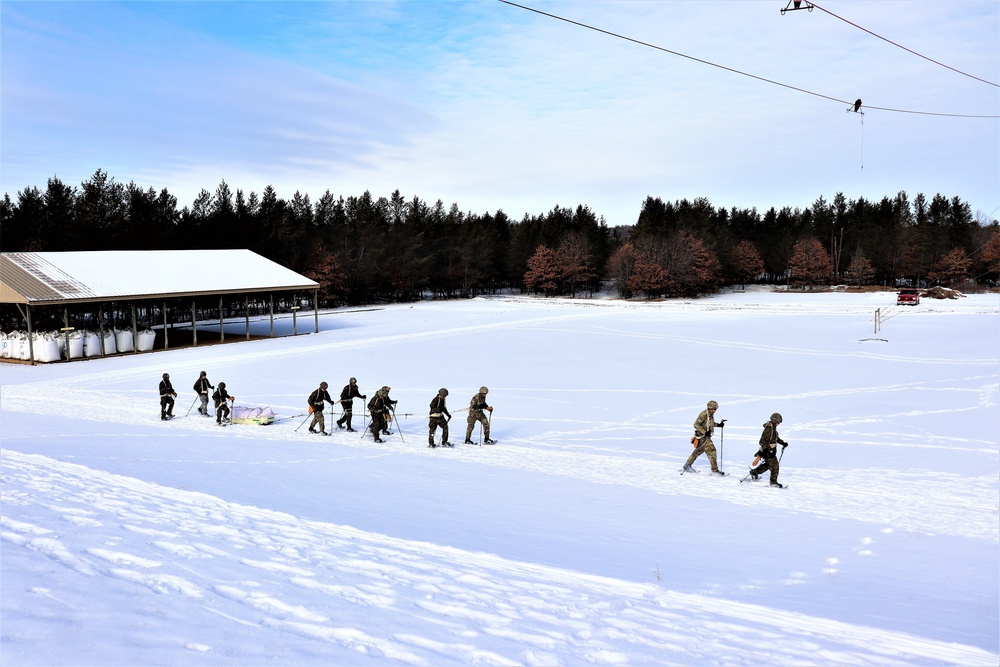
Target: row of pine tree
column 364, row 249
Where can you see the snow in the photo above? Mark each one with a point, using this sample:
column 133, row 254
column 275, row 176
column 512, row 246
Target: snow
column 127, row 540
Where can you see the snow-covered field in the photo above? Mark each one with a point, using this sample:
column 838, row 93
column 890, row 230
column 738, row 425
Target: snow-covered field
column 130, row 541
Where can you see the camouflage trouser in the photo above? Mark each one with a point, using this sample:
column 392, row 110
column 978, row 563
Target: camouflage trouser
column 378, row 425
column 432, row 427
column 768, row 462
column 705, row 446
column 204, row 403
column 348, row 414
column 477, row 416
column 166, row 405
column 222, row 412
column 319, row 419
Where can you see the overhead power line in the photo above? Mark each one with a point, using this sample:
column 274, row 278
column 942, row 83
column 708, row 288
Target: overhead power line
column 884, row 39
column 731, row 69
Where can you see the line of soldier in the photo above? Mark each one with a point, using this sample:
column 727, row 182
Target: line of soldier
column 201, row 387
column 382, row 407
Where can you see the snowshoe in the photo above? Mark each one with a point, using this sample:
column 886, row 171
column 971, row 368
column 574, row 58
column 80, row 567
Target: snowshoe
column 379, row 440
column 754, row 476
column 777, row 485
column 447, row 444
column 687, row 468
column 487, row 441
column 468, row 442
column 719, row 473
column 351, row 430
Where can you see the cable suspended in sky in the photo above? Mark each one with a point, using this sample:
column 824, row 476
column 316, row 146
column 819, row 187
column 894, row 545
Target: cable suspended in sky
column 855, row 104
column 811, row 5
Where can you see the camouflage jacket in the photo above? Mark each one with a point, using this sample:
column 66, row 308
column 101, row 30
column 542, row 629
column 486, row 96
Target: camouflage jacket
column 438, row 407
column 477, row 404
column 704, row 424
column 769, row 438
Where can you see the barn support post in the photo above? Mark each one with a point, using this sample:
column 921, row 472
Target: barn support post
column 166, row 345
column 272, row 313
column 295, row 325
column 135, row 332
column 100, row 328
column 246, row 305
column 194, row 324
column 222, row 328
column 31, row 345
column 316, row 308
column 66, row 329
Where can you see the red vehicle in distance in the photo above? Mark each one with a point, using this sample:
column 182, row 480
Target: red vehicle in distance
column 908, row 297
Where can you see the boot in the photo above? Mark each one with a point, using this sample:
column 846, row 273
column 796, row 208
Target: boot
column 487, row 441
column 719, row 473
column 778, row 484
column 688, row 468
column 469, row 442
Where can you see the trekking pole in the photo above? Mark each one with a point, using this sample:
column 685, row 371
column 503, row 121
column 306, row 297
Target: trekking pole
column 722, row 440
column 303, row 422
column 192, row 405
column 396, row 419
column 364, row 425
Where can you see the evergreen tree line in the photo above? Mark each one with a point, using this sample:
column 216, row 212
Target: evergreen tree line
column 363, row 249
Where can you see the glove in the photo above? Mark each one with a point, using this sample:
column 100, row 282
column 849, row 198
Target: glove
column 232, row 398
column 363, row 396
column 722, row 424
column 784, row 444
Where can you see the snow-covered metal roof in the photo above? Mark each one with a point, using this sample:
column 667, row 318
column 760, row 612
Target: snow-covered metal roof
column 61, row 277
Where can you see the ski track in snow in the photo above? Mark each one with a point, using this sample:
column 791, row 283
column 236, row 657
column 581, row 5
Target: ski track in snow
column 496, row 611
column 879, row 496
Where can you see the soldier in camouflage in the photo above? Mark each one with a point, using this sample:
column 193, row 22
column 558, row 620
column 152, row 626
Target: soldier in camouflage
column 477, row 408
column 439, row 417
column 769, row 442
column 380, row 408
column 704, row 427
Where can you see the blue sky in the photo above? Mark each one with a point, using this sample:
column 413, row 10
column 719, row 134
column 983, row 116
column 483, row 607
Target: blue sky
column 493, row 107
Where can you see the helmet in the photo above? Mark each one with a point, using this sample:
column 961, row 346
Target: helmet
column 713, row 405
column 442, row 391
column 203, row 374
column 776, row 418
column 323, row 385
column 222, row 385
column 354, row 381
column 484, row 390
column 386, row 388
column 166, row 375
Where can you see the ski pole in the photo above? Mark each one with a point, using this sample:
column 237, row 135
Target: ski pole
column 722, row 440
column 396, row 419
column 192, row 406
column 303, row 422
